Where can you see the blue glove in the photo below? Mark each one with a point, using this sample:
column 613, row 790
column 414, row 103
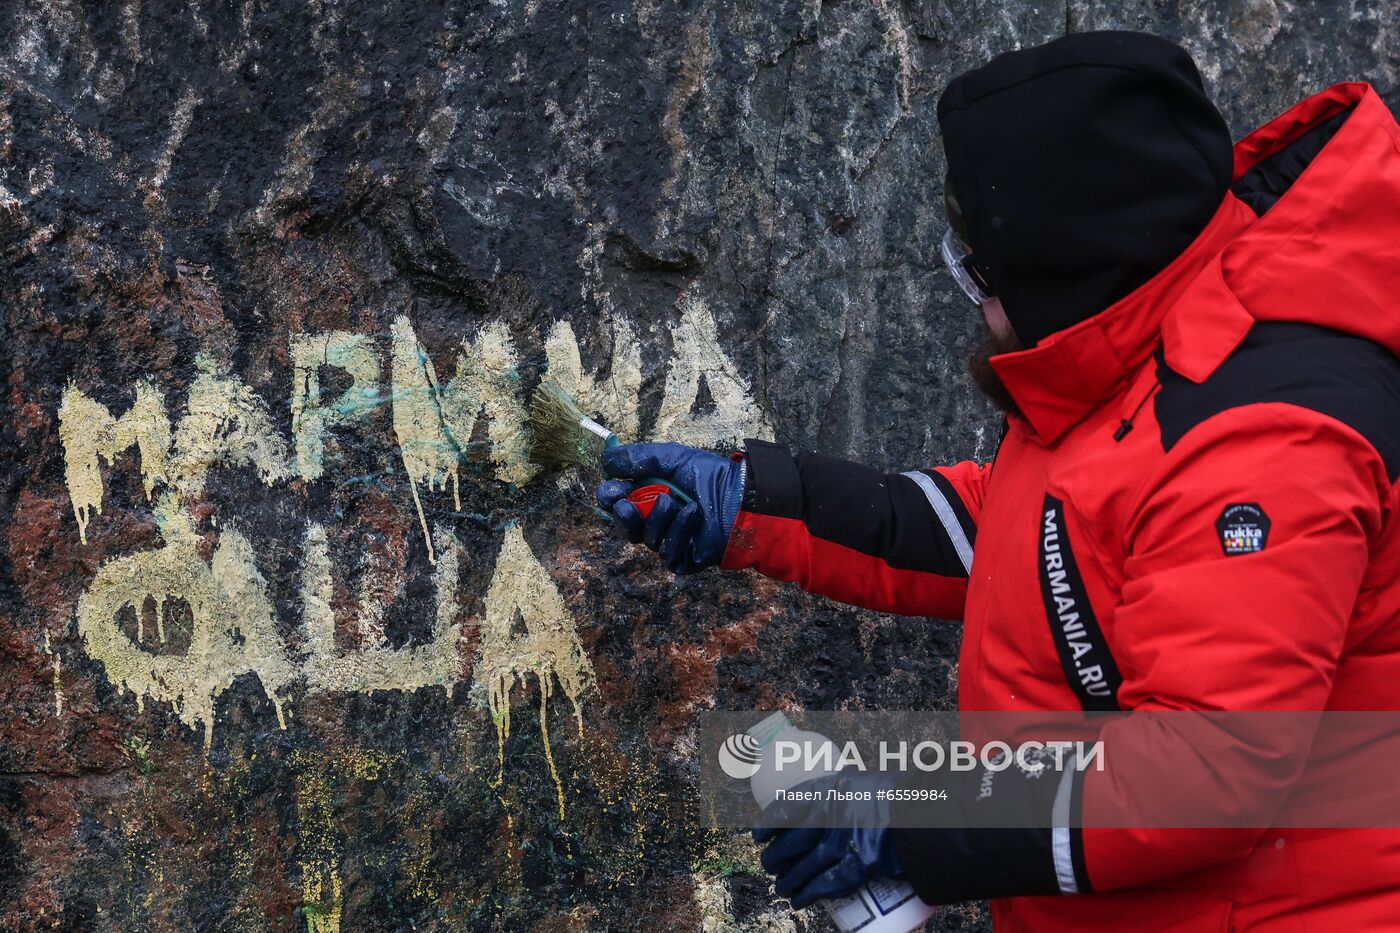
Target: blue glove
column 831, row 847
column 692, row 537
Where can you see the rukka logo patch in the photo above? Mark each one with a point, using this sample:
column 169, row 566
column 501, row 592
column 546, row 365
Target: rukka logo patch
column 1243, row 528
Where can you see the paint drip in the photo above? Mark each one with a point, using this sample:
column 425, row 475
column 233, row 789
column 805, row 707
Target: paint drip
column 549, row 648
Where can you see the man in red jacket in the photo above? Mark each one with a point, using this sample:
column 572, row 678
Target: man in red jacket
column 1193, row 507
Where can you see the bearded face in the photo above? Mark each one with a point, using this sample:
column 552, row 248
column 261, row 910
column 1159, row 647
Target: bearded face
column 980, row 366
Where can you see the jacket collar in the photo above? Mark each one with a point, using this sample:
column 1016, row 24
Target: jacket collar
column 1201, row 305
column 1070, row 373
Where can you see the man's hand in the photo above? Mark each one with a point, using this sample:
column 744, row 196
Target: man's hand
column 829, row 848
column 693, row 537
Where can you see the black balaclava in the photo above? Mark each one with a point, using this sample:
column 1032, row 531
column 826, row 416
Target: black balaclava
column 1082, row 167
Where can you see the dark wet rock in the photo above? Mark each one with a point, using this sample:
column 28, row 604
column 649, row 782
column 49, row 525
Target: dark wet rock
column 191, row 188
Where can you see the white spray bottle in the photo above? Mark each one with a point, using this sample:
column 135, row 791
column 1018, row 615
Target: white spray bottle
column 882, row 905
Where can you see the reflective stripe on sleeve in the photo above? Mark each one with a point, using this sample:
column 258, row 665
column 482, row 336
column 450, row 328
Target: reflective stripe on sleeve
column 944, row 510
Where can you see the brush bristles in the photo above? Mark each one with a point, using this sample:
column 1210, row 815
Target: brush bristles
column 556, row 428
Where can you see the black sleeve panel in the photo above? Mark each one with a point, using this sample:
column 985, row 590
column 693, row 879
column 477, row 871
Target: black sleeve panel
column 1348, row 378
column 994, row 838
column 946, row 866
column 889, row 516
column 774, row 486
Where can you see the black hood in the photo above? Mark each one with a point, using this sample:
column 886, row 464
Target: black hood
column 1082, row 168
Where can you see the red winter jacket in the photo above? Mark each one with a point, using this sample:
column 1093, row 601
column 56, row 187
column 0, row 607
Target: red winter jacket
column 1212, row 463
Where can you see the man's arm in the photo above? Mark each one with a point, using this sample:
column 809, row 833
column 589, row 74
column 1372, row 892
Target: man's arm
column 898, row 542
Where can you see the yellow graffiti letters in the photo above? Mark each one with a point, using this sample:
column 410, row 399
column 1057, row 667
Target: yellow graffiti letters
column 615, row 398
column 225, row 422
column 695, row 356
column 548, row 647
column 233, row 631
column 376, row 666
column 88, row 431
column 430, row 452
column 355, row 355
column 527, row 628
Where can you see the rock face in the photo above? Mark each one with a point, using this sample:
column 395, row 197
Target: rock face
column 291, row 634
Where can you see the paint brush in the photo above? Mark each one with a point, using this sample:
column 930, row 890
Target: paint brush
column 561, row 435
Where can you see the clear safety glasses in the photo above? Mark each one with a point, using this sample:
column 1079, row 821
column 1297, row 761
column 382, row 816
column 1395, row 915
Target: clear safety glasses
column 958, row 258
